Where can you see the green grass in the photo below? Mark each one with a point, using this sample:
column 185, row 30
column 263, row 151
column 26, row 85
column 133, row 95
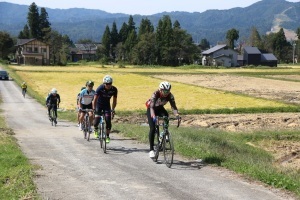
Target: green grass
column 229, row 150
column 16, row 174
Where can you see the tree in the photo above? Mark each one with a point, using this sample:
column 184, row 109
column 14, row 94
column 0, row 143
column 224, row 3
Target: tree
column 145, row 27
column 231, row 36
column 164, row 40
column 144, row 50
column 25, row 34
column 6, row 44
column 44, row 24
column 204, row 44
column 106, row 41
column 33, row 21
column 298, row 33
column 255, row 39
column 123, row 33
column 280, row 44
column 114, row 37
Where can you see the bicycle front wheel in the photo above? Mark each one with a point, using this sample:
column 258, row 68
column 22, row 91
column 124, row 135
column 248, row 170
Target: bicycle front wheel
column 158, row 144
column 87, row 128
column 168, row 149
column 104, row 140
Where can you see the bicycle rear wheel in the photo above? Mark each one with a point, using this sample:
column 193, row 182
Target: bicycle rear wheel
column 168, row 149
column 53, row 117
column 104, row 140
column 87, row 128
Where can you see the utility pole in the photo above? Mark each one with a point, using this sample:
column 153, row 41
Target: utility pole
column 294, row 47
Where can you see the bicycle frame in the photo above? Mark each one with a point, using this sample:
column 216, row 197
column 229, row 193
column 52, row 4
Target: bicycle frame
column 86, row 124
column 165, row 140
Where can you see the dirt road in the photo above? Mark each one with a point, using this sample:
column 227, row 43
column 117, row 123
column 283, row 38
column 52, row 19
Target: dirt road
column 72, row 168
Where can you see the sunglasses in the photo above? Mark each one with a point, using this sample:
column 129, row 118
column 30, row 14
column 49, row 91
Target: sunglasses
column 108, row 83
column 165, row 92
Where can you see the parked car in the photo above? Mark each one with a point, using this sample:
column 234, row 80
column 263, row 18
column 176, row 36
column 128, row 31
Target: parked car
column 4, row 75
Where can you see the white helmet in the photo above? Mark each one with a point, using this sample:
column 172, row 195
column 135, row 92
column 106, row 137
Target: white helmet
column 165, row 86
column 54, row 91
column 107, row 79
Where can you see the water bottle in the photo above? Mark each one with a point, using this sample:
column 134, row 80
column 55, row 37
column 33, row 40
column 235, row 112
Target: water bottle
column 161, row 136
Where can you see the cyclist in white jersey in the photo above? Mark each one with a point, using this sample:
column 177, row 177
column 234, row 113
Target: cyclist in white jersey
column 85, row 102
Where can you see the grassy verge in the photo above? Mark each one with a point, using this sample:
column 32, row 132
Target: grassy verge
column 230, row 150
column 16, row 173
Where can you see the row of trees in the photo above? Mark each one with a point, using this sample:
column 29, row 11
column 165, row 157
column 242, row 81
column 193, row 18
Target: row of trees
column 168, row 44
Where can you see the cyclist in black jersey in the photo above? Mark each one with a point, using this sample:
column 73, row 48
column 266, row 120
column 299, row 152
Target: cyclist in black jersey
column 53, row 101
column 101, row 103
column 155, row 107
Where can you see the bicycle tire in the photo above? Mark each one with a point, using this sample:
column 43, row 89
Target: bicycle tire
column 100, row 135
column 168, row 149
column 87, row 127
column 157, row 146
column 51, row 116
column 104, row 139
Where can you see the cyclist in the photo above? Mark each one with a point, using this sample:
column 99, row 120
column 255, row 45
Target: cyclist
column 24, row 88
column 85, row 102
column 78, row 106
column 155, row 106
column 101, row 103
column 52, row 102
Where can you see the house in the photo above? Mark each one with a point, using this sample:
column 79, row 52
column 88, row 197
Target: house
column 253, row 56
column 220, row 55
column 32, row 52
column 84, row 52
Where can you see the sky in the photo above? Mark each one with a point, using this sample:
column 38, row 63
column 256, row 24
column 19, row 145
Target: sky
column 142, row 7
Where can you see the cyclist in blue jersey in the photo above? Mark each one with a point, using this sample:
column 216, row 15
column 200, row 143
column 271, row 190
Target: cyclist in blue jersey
column 85, row 102
column 101, row 103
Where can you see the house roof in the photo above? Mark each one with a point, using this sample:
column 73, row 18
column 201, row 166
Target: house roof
column 220, row 56
column 268, row 57
column 215, row 48
column 252, row 50
column 24, row 41
column 86, row 47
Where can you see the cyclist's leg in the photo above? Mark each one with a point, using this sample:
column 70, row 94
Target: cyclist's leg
column 108, row 121
column 152, row 130
column 49, row 109
column 97, row 120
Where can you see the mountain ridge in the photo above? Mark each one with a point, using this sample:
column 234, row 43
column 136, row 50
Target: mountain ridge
column 81, row 23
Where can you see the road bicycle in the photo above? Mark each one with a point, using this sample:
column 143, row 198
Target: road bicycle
column 52, row 116
column 86, row 125
column 165, row 139
column 102, row 132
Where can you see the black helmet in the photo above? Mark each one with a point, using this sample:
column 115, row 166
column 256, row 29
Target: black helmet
column 90, row 83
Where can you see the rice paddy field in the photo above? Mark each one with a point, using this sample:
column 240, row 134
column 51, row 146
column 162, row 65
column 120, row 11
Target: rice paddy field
column 135, row 86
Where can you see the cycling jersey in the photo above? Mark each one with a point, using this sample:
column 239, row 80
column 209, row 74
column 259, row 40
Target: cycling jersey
column 23, row 86
column 86, row 96
column 51, row 99
column 157, row 101
column 105, row 95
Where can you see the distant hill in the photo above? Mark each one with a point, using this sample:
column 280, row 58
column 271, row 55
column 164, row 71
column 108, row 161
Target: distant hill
column 78, row 23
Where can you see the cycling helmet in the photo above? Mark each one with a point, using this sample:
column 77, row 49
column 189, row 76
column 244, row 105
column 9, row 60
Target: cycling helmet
column 165, row 86
column 107, row 79
column 89, row 83
column 54, row 91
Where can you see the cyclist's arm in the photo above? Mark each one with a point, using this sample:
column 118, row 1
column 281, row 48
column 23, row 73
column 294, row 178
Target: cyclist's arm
column 173, row 105
column 94, row 102
column 114, row 104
